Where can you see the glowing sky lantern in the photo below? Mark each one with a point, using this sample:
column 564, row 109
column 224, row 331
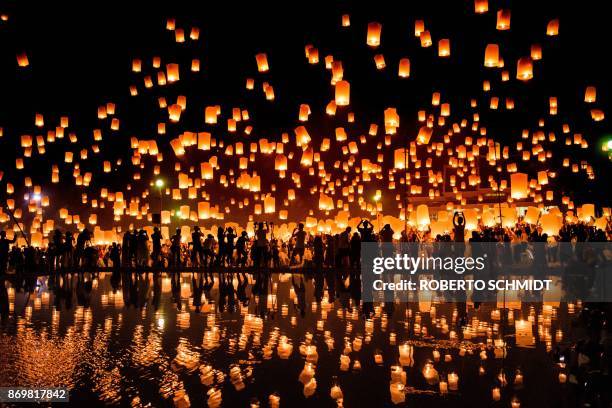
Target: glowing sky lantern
column 481, row 6
column 22, row 60
column 346, row 20
column 524, row 69
column 404, row 68
column 552, row 28
column 373, row 36
column 491, row 58
column 590, row 94
column 519, row 185
column 425, row 38
column 444, row 48
column 503, row 19
column 422, row 216
column 343, row 93
column 424, row 135
column 262, row 62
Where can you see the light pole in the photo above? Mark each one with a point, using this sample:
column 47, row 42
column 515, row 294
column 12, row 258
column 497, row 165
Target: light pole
column 159, row 183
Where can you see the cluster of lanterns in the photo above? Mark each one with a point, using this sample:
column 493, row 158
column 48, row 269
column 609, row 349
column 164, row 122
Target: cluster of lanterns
column 448, row 161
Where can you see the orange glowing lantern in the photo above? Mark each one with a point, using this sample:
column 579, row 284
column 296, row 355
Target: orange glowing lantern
column 503, row 19
column 343, row 93
column 590, row 94
column 491, row 59
column 481, row 6
column 374, row 31
column 524, row 69
column 404, row 68
column 444, row 47
column 22, row 60
column 519, row 185
column 552, row 28
column 262, row 62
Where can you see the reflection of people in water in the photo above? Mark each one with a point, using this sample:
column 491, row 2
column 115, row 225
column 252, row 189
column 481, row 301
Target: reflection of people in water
column 197, row 287
column 241, row 290
column 175, row 281
column 300, row 294
column 83, row 290
column 4, row 300
column 227, row 293
column 157, row 284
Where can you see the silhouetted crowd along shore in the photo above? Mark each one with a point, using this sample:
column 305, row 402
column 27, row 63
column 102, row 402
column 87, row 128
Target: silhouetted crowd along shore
column 261, row 249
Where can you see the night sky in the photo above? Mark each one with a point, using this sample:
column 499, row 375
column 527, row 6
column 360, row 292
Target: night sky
column 80, row 57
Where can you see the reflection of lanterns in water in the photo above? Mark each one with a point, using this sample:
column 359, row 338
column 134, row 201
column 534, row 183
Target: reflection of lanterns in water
column 430, row 373
column 398, row 394
column 406, row 353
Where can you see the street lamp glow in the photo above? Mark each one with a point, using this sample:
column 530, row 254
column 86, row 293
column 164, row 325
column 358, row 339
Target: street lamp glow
column 159, row 183
column 609, row 144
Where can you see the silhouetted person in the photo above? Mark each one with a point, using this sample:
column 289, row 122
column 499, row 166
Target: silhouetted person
column 197, row 252
column 366, row 230
column 459, row 227
column 175, row 248
column 241, row 249
column 156, row 237
column 230, row 237
column 300, row 241
column 355, row 255
column 5, row 244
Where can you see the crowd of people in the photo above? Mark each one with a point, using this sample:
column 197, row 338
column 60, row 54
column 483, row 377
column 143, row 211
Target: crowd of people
column 261, row 249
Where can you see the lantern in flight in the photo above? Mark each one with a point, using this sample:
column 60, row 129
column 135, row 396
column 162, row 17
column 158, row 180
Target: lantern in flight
column 524, row 69
column 343, row 93
column 374, row 30
column 262, row 62
column 519, row 185
column 404, row 68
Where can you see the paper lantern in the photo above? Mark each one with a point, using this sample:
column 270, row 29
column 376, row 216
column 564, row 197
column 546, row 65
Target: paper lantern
column 586, row 212
column 551, row 224
column 422, row 215
column 392, row 119
column 22, row 60
column 524, row 69
column 531, row 215
column 280, row 162
column 172, row 72
column 444, row 47
column 174, row 112
column 519, row 185
column 424, row 135
column 503, row 19
column 343, row 93
column 536, row 52
column 597, row 115
column 404, row 68
column 374, row 31
column 419, row 27
column 262, row 62
column 552, row 28
column 425, row 38
column 203, row 210
column 269, row 205
column 379, row 60
column 491, row 58
column 400, row 157
column 590, row 94
column 481, row 6
column 346, row 20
